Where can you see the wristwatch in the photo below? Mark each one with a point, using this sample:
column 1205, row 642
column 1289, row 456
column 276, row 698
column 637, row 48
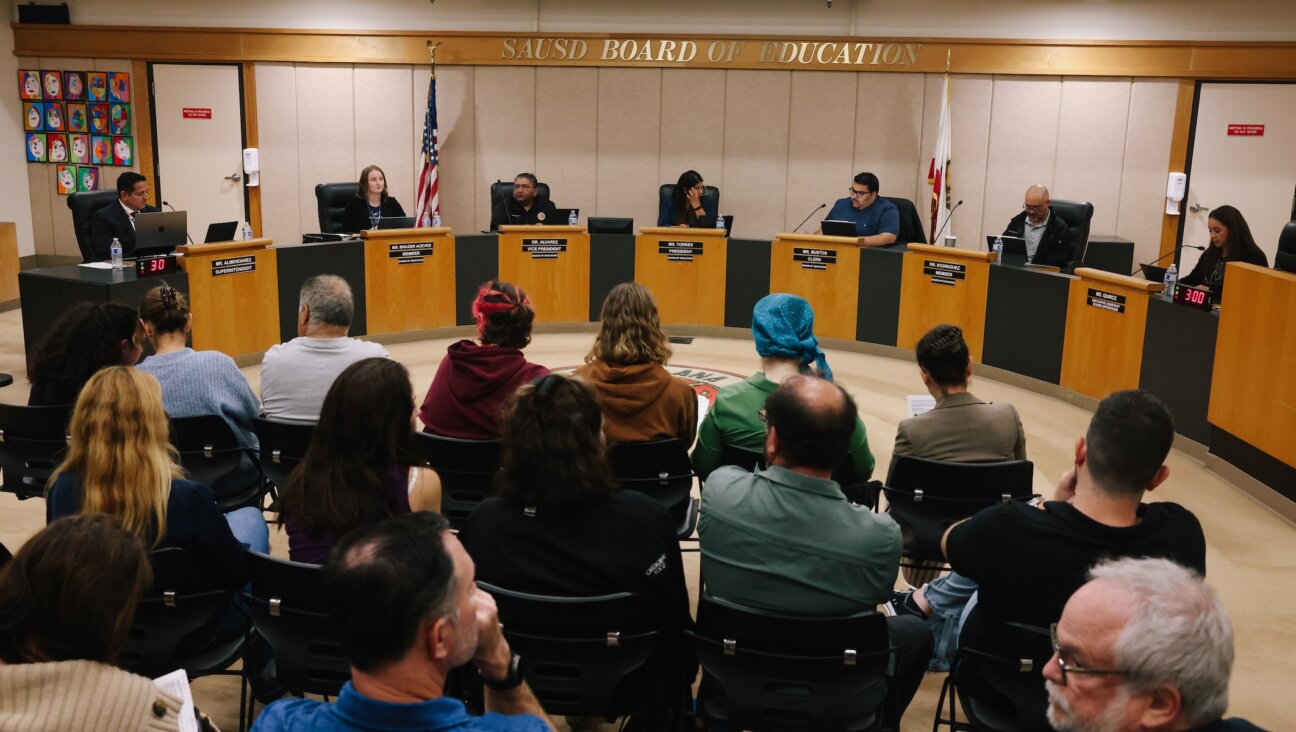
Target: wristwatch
column 511, row 680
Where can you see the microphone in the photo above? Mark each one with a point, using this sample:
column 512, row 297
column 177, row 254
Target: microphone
column 190, row 238
column 807, row 218
column 948, row 218
column 1167, row 254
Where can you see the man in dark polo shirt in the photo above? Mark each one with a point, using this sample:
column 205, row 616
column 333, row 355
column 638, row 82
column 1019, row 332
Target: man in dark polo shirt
column 524, row 207
column 877, row 220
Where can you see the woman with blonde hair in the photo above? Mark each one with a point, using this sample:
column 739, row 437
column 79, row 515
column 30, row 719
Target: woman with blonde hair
column 627, row 367
column 121, row 463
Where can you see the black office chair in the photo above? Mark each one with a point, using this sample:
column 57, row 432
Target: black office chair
column 749, row 459
column 212, row 455
column 467, row 470
column 1285, row 257
column 601, row 656
column 999, row 690
column 503, row 190
column 290, row 613
column 1077, row 215
column 660, row 469
column 283, row 446
column 33, row 441
column 911, row 225
column 926, row 496
column 666, row 196
column 331, row 201
column 766, row 671
column 83, row 206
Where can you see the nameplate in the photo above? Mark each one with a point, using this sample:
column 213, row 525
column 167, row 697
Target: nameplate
column 1106, row 300
column 814, row 258
column 680, row 251
column 544, row 248
column 235, row 265
column 943, row 273
column 410, row 252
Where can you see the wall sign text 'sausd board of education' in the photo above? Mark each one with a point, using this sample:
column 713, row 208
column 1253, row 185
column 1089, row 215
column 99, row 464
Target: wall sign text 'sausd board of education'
column 752, row 52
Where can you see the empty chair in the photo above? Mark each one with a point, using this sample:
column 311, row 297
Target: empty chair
column 467, row 469
column 1285, row 257
column 1001, row 691
column 331, row 201
column 33, row 441
column 283, row 445
column 764, row 671
column 212, row 455
column 660, row 469
column 911, row 226
column 1077, row 215
column 926, row 496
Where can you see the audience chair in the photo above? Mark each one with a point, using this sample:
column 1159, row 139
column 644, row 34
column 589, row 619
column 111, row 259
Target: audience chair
column 331, row 201
column 601, row 656
column 926, row 496
column 290, row 613
column 765, row 671
column 33, row 441
column 283, row 445
column 467, row 470
column 1285, row 257
column 666, row 197
column 1077, row 215
column 211, row 455
column 1000, row 690
column 660, row 469
column 856, row 492
column 83, row 206
column 911, row 225
column 173, row 616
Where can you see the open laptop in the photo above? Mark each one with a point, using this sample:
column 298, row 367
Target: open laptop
column 1153, row 273
column 221, row 231
column 396, row 222
column 160, row 232
column 833, row 227
column 560, row 216
column 1014, row 249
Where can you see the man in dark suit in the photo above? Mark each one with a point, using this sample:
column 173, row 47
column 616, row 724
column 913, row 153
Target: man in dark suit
column 117, row 220
column 1048, row 240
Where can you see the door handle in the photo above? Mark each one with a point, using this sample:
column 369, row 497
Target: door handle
column 1196, row 207
column 236, row 177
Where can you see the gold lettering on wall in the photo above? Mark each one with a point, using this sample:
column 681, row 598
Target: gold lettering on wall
column 659, row 51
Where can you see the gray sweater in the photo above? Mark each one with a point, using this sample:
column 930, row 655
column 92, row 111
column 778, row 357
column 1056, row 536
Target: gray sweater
column 206, row 382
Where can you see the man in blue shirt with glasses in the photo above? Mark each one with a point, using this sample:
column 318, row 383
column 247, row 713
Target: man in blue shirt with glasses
column 877, row 220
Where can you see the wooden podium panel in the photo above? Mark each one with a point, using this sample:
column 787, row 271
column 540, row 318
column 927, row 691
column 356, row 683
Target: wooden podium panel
column 944, row 285
column 1253, row 385
column 234, row 295
column 409, row 279
column 825, row 271
column 551, row 263
column 8, row 261
column 685, row 269
column 1106, row 319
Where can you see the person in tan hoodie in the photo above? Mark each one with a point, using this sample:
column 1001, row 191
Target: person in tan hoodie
column 627, row 367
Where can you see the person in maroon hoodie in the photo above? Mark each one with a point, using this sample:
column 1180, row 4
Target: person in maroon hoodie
column 473, row 382
column 627, row 367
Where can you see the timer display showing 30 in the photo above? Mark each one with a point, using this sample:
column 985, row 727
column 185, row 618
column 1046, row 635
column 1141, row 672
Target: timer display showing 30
column 1192, row 297
column 154, row 266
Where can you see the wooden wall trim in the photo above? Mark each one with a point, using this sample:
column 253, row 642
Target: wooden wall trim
column 252, row 139
column 1180, row 140
column 143, row 127
column 1186, row 59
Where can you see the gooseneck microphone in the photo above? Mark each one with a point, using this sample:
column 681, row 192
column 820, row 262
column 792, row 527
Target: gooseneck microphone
column 173, row 210
column 807, row 218
column 1198, row 247
column 948, row 217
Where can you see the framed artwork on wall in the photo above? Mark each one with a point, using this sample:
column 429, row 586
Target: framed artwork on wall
column 36, row 152
column 101, row 150
column 74, row 85
column 119, row 119
column 52, row 84
column 118, row 86
column 77, row 120
column 29, row 85
column 33, row 116
column 79, row 148
column 57, row 145
column 65, row 177
column 87, row 179
column 97, row 86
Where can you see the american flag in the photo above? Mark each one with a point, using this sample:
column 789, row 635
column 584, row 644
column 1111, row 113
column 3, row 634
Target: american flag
column 429, row 200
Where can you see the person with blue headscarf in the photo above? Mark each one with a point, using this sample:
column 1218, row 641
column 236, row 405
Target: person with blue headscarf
column 783, row 331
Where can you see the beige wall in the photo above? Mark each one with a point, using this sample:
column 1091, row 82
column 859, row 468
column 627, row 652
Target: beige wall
column 777, row 143
column 15, row 205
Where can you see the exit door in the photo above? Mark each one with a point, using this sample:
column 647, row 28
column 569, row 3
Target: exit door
column 198, row 115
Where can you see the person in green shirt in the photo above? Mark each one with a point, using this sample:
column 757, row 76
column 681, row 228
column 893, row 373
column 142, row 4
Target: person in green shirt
column 783, row 329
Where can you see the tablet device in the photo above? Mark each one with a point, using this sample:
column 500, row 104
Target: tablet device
column 396, row 222
column 1014, row 249
column 560, row 216
column 221, row 231
column 833, row 227
column 1153, row 273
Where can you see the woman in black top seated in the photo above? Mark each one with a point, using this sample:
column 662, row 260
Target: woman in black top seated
column 1230, row 241
column 686, row 207
column 86, row 338
column 371, row 202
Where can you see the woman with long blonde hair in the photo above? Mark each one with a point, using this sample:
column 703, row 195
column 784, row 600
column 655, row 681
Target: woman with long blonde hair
column 121, row 463
column 627, row 367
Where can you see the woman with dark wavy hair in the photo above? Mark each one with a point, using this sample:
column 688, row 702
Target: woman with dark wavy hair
column 1230, row 241
column 687, row 207
column 86, row 338
column 473, row 381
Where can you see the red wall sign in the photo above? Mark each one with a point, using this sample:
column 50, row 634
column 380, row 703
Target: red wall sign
column 205, row 113
column 1246, row 130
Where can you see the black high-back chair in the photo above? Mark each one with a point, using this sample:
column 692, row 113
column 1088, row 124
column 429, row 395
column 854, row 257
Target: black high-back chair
column 33, row 440
column 662, row 470
column 331, row 201
column 926, row 496
column 1077, row 215
column 212, row 455
column 283, row 446
column 1285, row 257
column 467, row 470
column 911, row 225
column 83, row 206
column 598, row 656
column 767, row 671
column 710, row 202
column 290, row 613
column 749, row 459
column 1001, row 689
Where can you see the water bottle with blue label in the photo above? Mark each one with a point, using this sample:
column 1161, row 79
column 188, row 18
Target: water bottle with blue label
column 436, row 218
column 426, row 221
column 247, row 230
column 115, row 251
column 571, row 218
column 1171, row 279
column 719, row 222
column 998, row 245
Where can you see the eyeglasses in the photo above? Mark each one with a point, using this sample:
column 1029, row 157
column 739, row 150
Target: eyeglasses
column 523, row 186
column 1071, row 668
column 859, row 194
column 1040, row 207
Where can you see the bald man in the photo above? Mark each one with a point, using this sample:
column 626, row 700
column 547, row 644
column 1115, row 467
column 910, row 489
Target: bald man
column 1048, row 240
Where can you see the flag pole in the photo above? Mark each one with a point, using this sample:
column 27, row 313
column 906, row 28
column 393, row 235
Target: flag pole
column 948, row 51
column 432, row 49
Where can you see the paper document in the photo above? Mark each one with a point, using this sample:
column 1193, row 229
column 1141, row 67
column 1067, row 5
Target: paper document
column 176, row 684
column 97, row 265
column 919, row 403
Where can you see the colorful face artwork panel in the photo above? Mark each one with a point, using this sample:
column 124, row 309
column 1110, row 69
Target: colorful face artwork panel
column 52, row 84
column 78, row 117
column 29, row 85
column 119, row 118
column 97, row 86
column 87, row 179
column 33, row 116
column 58, row 147
column 123, row 151
column 36, row 152
column 118, row 86
column 65, row 176
column 99, row 119
column 79, row 148
column 101, row 150
column 74, row 85
column 54, row 117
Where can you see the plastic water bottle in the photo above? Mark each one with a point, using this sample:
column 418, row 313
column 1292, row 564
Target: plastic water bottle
column 719, row 222
column 436, row 219
column 1171, row 278
column 998, row 245
column 247, row 230
column 116, row 252
column 571, row 218
column 427, row 220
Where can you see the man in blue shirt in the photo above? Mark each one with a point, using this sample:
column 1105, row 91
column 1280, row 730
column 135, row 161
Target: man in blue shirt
column 877, row 221
column 402, row 594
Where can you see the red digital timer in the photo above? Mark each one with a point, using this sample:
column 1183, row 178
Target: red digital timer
column 154, row 266
column 1192, row 297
